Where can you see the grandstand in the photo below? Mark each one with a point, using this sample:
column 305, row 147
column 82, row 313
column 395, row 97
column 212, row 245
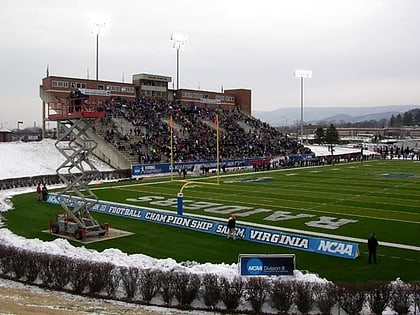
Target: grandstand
column 134, row 129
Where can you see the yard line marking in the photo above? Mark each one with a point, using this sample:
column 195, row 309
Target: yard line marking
column 123, row 187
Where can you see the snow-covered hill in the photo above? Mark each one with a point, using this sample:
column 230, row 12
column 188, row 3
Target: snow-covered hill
column 21, row 159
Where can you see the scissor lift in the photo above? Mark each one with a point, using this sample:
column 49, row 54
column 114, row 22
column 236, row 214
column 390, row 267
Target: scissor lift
column 77, row 171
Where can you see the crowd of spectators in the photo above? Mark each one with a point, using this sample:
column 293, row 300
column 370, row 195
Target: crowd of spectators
column 146, row 133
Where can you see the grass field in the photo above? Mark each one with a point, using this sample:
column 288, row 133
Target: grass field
column 377, row 196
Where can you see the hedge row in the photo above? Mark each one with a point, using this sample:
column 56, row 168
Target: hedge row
column 216, row 293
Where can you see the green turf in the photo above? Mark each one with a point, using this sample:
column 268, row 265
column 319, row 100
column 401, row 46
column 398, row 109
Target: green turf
column 379, row 196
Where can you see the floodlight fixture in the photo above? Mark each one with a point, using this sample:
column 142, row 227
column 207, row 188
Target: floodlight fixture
column 302, row 74
column 178, row 42
column 307, row 74
column 97, row 27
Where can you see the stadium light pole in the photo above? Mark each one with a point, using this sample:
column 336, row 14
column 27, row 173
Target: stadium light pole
column 178, row 42
column 285, row 118
column 302, row 74
column 97, row 26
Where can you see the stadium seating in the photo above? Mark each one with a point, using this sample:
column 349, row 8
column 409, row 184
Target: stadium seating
column 140, row 131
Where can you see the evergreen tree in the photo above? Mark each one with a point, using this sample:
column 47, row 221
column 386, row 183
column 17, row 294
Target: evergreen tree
column 392, row 121
column 416, row 116
column 408, row 118
column 398, row 121
column 331, row 135
column 319, row 135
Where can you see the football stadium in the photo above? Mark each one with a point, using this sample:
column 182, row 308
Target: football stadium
column 182, row 167
column 210, row 157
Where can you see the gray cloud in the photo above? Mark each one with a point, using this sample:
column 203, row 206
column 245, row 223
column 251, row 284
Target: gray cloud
column 361, row 52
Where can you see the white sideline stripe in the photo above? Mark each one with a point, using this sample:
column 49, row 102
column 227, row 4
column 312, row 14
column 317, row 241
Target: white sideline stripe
column 326, row 235
column 331, row 236
column 122, row 187
column 271, row 227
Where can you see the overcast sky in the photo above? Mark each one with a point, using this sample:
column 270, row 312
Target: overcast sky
column 361, row 52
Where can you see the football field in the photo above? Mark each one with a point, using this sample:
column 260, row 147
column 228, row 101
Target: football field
column 346, row 201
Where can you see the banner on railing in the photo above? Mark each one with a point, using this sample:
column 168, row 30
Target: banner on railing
column 274, row 237
column 197, row 167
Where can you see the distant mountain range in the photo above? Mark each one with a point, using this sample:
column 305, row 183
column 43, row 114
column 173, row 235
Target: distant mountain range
column 291, row 115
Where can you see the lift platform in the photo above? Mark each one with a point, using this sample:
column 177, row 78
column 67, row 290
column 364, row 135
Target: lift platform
column 74, row 117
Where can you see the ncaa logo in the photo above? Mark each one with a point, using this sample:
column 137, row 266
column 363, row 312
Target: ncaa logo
column 254, row 266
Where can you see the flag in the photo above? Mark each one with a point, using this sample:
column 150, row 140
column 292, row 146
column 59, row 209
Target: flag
column 170, row 124
column 48, row 70
column 216, row 120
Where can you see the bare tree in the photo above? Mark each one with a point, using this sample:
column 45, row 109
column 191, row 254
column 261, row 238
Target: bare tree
column 400, row 297
column 325, row 297
column 304, row 298
column 377, row 297
column 281, row 294
column 351, row 298
column 212, row 290
column 257, row 289
column 231, row 292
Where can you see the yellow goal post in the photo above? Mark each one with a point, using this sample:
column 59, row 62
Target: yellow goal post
column 172, row 163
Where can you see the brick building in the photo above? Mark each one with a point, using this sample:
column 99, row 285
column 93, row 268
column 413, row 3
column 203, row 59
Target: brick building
column 5, row 135
column 59, row 89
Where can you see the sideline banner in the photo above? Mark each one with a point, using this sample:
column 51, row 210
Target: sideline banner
column 274, row 237
column 201, row 166
column 266, row 264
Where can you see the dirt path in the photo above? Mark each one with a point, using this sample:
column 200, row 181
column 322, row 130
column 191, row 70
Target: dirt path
column 18, row 299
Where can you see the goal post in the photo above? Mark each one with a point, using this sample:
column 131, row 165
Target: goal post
column 172, row 162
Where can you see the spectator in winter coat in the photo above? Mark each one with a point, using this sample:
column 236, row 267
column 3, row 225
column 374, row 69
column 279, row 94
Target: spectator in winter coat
column 44, row 193
column 39, row 191
column 231, row 226
column 372, row 246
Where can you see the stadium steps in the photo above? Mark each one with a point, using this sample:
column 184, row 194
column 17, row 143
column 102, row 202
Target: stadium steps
column 45, row 96
column 107, row 152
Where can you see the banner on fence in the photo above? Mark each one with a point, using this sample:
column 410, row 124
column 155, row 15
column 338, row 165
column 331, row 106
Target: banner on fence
column 199, row 167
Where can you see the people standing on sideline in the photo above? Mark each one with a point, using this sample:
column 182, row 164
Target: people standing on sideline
column 44, row 192
column 231, row 224
column 39, row 191
column 372, row 246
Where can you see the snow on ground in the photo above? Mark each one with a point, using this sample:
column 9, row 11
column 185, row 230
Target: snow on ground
column 19, row 298
column 19, row 159
column 322, row 150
